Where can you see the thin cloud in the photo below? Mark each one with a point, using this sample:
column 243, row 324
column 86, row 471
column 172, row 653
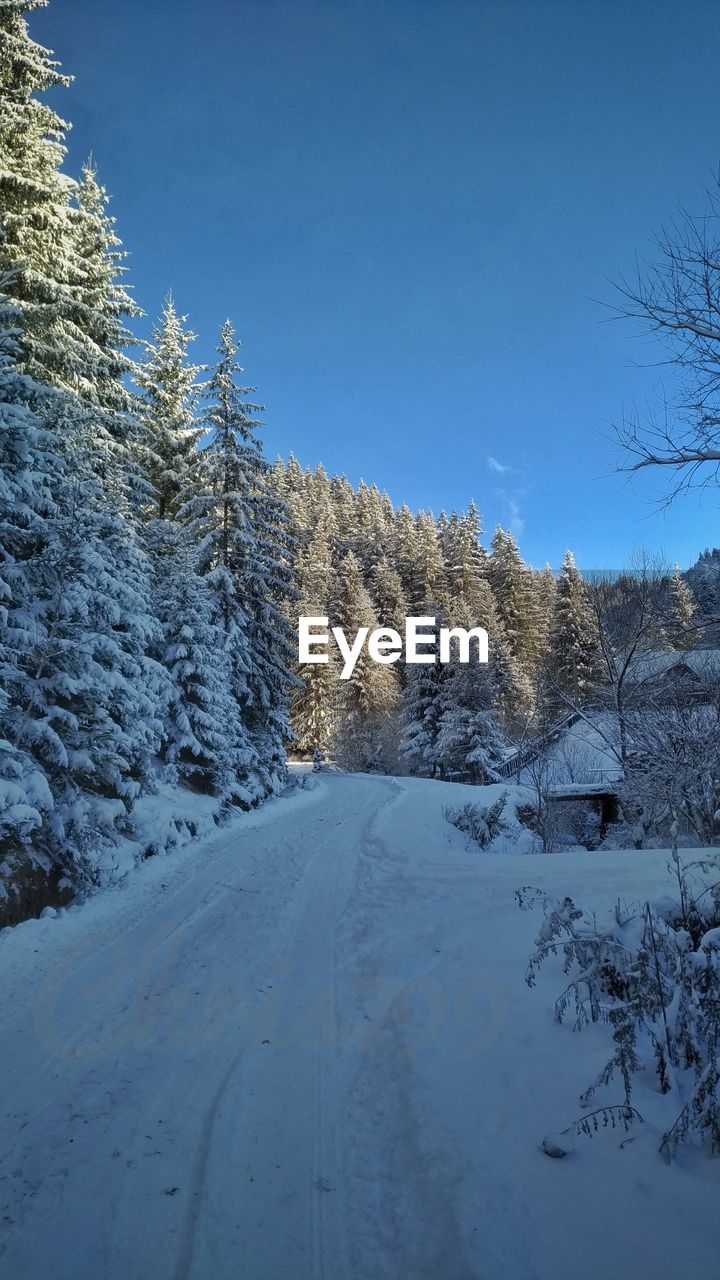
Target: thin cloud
column 517, row 523
column 514, row 520
column 496, row 466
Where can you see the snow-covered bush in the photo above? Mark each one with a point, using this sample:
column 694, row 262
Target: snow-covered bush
column 673, row 774
column 303, row 781
column 561, row 825
column 480, row 823
column 652, row 973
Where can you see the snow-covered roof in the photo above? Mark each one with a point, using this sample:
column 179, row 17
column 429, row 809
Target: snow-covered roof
column 583, row 754
column 702, row 662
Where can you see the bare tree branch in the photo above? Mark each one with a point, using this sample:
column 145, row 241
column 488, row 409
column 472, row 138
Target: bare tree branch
column 677, row 297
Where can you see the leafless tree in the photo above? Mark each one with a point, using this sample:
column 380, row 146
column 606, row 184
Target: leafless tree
column 538, row 777
column 673, row 779
column 677, row 297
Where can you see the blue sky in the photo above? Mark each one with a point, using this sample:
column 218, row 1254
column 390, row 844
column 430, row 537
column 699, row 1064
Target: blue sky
column 408, row 208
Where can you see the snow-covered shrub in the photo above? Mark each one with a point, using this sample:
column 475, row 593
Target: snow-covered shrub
column 578, row 823
column 303, row 781
column 673, row 774
column 652, row 973
column 481, row 823
column 561, row 825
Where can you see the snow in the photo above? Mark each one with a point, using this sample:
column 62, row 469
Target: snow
column 583, row 753
column 303, row 1046
column 703, row 662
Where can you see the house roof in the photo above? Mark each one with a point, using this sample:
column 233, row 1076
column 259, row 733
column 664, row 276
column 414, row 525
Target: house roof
column 703, row 663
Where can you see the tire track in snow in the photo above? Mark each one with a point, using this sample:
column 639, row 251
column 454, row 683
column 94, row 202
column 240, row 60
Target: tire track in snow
column 406, row 1222
column 259, row 1125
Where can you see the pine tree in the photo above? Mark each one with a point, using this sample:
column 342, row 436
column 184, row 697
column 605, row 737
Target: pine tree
column 681, row 613
column 37, row 227
column 202, row 735
column 512, row 587
column 423, row 707
column 545, row 588
column 424, row 703
column 466, row 560
column 245, row 549
column 315, row 574
column 295, row 496
column 427, row 572
column 319, row 495
column 57, row 242
column 313, row 704
column 468, row 740
column 314, row 707
column 367, row 700
column 387, row 593
column 83, row 700
column 574, row 656
column 106, row 302
column 370, row 533
column 167, row 435
column 403, row 550
column 30, row 469
column 512, row 688
column 343, row 500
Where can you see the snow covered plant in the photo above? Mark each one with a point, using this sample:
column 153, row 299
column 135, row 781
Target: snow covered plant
column 652, row 973
column 481, row 823
column 672, row 778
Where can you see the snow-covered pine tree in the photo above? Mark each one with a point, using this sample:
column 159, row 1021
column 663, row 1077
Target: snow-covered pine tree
column 681, row 618
column 469, row 741
column 545, row 588
column 703, row 579
column 367, row 702
column 343, row 500
column 313, row 704
column 82, row 697
column 420, row 720
column 512, row 689
column 84, row 700
column 57, row 245
column 573, row 666
column 370, row 532
column 319, row 496
column 427, row 571
column 245, row 550
column 387, row 593
column 403, row 550
column 314, row 707
column 167, row 434
column 30, row 469
column 466, row 560
column 203, row 737
column 295, row 496
column 34, row 196
column 107, row 304
column 321, row 517
column 100, row 690
column 424, row 703
column 512, row 587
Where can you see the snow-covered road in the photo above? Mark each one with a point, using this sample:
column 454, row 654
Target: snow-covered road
column 304, row 1048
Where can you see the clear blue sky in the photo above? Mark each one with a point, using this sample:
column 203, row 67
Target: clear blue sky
column 407, row 208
